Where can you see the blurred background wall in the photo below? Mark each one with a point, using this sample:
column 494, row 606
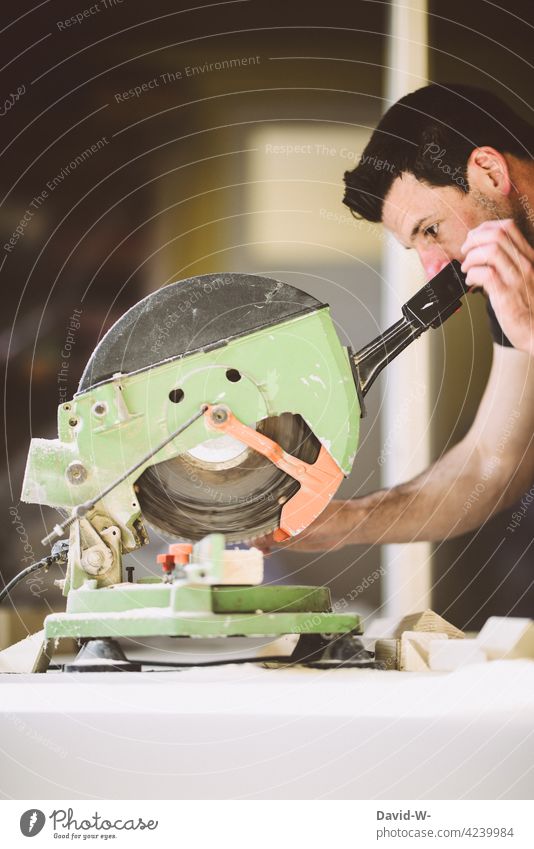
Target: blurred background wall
column 141, row 144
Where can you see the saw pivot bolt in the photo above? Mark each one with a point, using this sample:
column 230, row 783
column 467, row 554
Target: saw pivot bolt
column 219, row 415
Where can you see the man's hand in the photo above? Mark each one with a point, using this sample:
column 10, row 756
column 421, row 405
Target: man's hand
column 331, row 530
column 500, row 260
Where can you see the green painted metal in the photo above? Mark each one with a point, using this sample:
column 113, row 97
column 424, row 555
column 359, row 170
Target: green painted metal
column 271, row 599
column 208, row 557
column 118, row 598
column 298, row 366
column 160, row 623
column 190, row 597
column 192, row 610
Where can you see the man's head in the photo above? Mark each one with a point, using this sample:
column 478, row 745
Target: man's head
column 441, row 161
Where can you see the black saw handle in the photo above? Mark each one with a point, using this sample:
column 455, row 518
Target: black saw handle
column 429, row 307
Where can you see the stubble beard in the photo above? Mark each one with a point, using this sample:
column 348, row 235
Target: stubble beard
column 498, row 211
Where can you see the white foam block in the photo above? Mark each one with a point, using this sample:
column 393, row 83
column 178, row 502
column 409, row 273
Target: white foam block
column 507, row 637
column 446, row 655
column 414, row 649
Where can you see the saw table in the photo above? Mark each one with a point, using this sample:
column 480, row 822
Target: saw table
column 245, row 732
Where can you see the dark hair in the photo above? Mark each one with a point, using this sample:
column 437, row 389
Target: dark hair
column 430, row 133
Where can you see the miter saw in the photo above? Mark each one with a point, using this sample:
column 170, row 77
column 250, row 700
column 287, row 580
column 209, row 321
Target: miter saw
column 217, row 409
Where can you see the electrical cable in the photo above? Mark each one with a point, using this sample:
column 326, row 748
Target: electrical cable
column 58, row 555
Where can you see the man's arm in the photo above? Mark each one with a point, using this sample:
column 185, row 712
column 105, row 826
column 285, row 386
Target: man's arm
column 484, row 473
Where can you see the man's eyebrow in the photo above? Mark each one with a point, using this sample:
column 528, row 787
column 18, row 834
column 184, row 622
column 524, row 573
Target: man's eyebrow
column 417, row 227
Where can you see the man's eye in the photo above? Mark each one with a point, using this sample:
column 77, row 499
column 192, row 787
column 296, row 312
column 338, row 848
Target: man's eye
column 432, row 231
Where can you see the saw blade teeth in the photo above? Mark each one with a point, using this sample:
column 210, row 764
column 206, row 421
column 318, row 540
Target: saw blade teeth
column 261, row 533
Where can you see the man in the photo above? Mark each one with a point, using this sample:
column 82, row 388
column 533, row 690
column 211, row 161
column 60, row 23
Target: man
column 460, row 185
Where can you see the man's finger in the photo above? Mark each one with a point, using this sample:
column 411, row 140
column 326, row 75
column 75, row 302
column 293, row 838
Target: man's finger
column 506, row 238
column 505, row 232
column 486, row 277
column 493, row 255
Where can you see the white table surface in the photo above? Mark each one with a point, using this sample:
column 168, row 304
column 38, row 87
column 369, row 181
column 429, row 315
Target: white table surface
column 256, row 733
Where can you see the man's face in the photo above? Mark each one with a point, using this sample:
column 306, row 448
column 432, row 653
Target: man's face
column 435, row 219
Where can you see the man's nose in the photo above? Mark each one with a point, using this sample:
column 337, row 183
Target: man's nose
column 433, row 262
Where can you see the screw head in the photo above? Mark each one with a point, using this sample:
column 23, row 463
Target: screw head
column 76, row 472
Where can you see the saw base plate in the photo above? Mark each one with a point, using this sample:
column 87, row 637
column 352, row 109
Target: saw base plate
column 186, row 610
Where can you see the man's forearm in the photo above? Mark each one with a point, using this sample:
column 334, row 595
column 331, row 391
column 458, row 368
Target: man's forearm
column 444, row 501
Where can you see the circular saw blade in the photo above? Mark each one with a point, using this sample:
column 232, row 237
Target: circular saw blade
column 238, row 493
column 192, row 315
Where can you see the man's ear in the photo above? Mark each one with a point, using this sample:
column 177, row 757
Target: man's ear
column 487, row 171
